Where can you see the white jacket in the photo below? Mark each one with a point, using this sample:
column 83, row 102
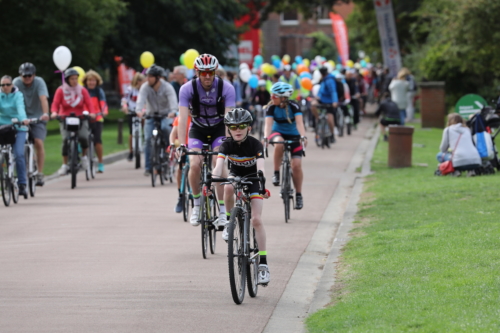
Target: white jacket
column 398, row 89
column 465, row 153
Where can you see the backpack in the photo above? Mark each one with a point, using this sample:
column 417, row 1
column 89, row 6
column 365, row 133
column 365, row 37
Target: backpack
column 220, row 100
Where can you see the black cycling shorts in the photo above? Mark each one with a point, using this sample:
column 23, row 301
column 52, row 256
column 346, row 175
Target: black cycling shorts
column 96, row 128
column 296, row 146
column 212, row 136
column 253, row 189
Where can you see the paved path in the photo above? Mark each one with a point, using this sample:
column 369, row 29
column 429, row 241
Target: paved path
column 112, row 256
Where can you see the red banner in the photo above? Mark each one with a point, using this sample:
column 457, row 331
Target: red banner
column 125, row 76
column 341, row 37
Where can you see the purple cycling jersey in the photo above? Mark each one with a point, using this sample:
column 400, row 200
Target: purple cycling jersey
column 207, row 98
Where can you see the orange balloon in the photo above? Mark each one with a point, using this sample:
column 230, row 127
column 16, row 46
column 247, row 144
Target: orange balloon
column 306, row 83
column 301, row 68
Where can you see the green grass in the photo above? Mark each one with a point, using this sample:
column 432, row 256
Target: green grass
column 53, row 142
column 425, row 256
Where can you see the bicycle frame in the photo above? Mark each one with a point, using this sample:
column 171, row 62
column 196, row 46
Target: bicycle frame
column 136, row 131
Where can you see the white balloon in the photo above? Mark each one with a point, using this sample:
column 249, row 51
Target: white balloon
column 62, row 58
column 245, row 74
column 315, row 90
column 319, row 60
column 244, row 65
column 316, row 77
column 328, row 66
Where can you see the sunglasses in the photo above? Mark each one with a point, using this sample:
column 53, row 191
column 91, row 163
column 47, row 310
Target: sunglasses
column 207, row 73
column 28, row 75
column 5, row 84
column 235, row 127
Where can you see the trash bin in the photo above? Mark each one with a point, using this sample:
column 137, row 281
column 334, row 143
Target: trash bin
column 400, row 146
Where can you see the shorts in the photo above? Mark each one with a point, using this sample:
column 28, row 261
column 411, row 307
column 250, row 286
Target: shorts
column 296, row 146
column 253, row 189
column 213, row 136
column 96, row 128
column 39, row 131
column 387, row 122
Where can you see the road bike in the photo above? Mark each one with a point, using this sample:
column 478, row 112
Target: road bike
column 323, row 132
column 339, row 121
column 91, row 156
column 184, row 187
column 72, row 124
column 349, row 119
column 209, row 206
column 8, row 170
column 287, row 191
column 136, row 138
column 30, row 158
column 243, row 250
column 159, row 156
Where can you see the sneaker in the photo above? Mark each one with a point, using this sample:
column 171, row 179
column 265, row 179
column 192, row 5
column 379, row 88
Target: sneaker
column 194, row 216
column 456, row 173
column 63, row 170
column 264, row 275
column 276, row 179
column 225, row 233
column 40, row 179
column 299, row 202
column 22, row 191
column 100, row 168
column 130, row 157
column 332, row 138
column 85, row 163
column 336, row 131
column 180, row 204
column 147, row 173
column 221, row 221
column 471, row 173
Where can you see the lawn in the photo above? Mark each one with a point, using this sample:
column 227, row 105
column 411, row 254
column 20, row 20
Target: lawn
column 425, row 253
column 53, row 142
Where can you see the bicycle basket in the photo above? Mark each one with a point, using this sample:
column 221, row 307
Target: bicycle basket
column 7, row 135
column 72, row 124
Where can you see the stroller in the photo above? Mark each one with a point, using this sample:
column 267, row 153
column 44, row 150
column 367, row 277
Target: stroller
column 489, row 122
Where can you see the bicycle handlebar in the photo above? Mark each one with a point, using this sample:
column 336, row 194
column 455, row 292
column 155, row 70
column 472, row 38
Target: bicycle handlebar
column 288, row 142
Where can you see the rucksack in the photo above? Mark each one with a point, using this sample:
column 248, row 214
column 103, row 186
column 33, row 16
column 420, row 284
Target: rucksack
column 220, row 100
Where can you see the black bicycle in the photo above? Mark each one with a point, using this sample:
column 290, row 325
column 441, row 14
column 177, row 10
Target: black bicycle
column 209, row 206
column 30, row 158
column 159, row 156
column 136, row 138
column 72, row 125
column 287, row 191
column 243, row 250
column 323, row 132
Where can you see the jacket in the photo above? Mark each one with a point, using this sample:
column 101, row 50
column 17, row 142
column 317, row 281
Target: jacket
column 389, row 110
column 328, row 91
column 399, row 89
column 12, row 106
column 465, row 152
column 63, row 109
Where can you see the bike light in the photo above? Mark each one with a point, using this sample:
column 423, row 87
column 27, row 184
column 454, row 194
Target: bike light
column 155, row 132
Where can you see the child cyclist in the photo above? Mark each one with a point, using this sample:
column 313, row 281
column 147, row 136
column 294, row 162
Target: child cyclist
column 284, row 121
column 245, row 156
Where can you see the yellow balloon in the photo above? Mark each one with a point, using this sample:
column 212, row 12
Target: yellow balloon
column 189, row 58
column 267, row 68
column 81, row 74
column 367, row 59
column 350, row 63
column 147, row 59
column 306, row 62
column 286, row 59
column 331, row 62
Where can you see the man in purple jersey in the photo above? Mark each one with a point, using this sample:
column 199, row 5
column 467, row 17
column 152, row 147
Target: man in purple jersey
column 207, row 99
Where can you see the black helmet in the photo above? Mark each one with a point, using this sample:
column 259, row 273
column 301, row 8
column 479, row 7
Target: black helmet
column 27, row 69
column 70, row 72
column 155, row 71
column 238, row 116
column 323, row 70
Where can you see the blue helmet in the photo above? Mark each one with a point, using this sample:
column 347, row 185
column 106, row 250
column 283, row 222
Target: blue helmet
column 282, row 89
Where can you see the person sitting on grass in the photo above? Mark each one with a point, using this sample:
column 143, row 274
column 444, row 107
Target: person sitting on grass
column 457, row 146
column 390, row 113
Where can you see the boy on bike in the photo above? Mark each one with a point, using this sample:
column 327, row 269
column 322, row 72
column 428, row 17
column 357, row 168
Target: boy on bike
column 246, row 158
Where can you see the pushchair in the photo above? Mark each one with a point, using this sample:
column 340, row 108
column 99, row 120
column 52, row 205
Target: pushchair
column 490, row 122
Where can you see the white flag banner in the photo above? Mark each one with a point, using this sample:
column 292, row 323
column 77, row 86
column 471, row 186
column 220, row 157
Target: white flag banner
column 388, row 35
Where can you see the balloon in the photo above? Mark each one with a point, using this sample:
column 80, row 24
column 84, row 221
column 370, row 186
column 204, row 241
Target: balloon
column 294, row 66
column 181, row 59
column 301, row 68
column 275, row 57
column 350, row 63
column 305, row 74
column 339, row 66
column 267, row 69
column 286, row 59
column 306, row 62
column 245, row 74
column 328, row 66
column 244, row 65
column 254, row 81
column 316, row 77
column 315, row 89
column 62, row 58
column 258, row 60
column 190, row 74
column 357, row 66
column 367, row 59
column 189, row 58
column 298, row 59
column 319, row 60
column 277, row 63
column 147, row 59
column 306, row 83
column 332, row 63
column 81, row 74
column 363, row 63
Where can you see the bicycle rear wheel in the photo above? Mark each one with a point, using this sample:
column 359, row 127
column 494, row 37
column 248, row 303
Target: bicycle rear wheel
column 160, row 151
column 154, row 164
column 253, row 266
column 137, row 151
column 91, row 158
column 340, row 121
column 237, row 261
column 73, row 162
column 186, row 194
column 204, row 223
column 285, row 190
column 5, row 181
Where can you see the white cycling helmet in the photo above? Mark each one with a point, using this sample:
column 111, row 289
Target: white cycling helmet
column 262, row 83
column 206, row 62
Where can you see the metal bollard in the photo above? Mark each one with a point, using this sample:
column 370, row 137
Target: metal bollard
column 120, row 131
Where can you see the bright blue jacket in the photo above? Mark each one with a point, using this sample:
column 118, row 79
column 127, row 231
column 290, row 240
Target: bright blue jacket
column 12, row 106
column 328, row 90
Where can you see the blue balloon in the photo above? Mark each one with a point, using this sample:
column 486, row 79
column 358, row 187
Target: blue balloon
column 339, row 66
column 274, row 57
column 363, row 63
column 277, row 63
column 298, row 59
column 305, row 74
column 258, row 59
column 254, row 81
column 294, row 66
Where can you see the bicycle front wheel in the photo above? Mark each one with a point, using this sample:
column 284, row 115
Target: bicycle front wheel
column 73, row 162
column 5, row 181
column 14, row 186
column 285, row 190
column 154, row 164
column 253, row 266
column 236, row 255
column 137, row 151
column 204, row 223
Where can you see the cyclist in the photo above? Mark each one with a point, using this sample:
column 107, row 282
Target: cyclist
column 284, row 122
column 158, row 96
column 72, row 98
column 208, row 98
column 174, row 141
column 92, row 81
column 327, row 95
column 292, row 79
column 129, row 101
column 245, row 157
column 36, row 97
column 12, row 106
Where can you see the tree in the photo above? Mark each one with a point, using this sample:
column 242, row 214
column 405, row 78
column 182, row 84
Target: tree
column 35, row 28
column 323, row 45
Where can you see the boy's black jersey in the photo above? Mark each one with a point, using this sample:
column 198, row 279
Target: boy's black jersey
column 242, row 157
